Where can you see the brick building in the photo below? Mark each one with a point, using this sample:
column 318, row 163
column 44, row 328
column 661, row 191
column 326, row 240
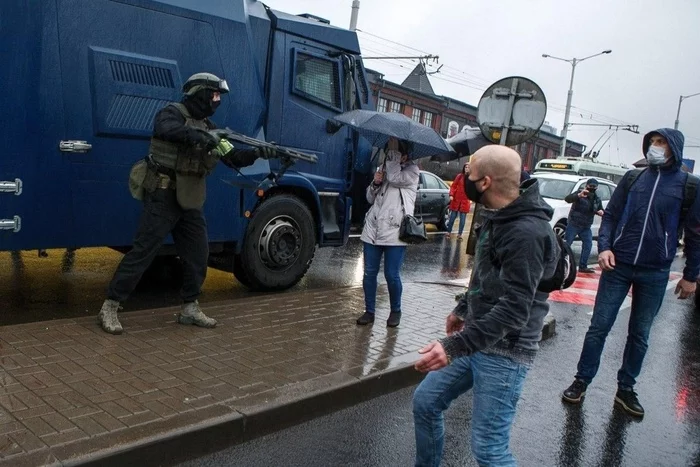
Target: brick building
column 415, row 98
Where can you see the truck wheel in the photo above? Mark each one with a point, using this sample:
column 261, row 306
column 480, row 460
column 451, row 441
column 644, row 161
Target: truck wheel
column 560, row 229
column 238, row 271
column 279, row 244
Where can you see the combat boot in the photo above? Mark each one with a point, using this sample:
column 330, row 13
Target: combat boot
column 107, row 317
column 192, row 314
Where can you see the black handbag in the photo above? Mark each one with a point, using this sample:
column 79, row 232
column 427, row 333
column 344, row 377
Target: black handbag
column 412, row 230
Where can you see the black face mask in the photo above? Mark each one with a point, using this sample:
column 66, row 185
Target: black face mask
column 591, row 190
column 201, row 104
column 471, row 191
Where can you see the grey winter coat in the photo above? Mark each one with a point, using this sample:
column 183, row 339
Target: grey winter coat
column 384, row 218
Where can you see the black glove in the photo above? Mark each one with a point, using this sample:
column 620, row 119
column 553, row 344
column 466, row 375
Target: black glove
column 205, row 139
column 265, row 152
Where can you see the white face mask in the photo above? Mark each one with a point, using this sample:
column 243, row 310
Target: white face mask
column 656, row 155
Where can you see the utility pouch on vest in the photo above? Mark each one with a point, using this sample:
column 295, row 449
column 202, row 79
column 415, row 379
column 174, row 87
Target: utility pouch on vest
column 191, row 191
column 137, row 178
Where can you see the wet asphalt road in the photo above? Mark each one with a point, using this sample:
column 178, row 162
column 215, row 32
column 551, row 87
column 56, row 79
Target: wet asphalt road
column 67, row 285
column 380, row 432
column 546, row 432
column 73, row 284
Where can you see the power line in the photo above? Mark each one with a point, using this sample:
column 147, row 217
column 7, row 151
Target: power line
column 480, row 84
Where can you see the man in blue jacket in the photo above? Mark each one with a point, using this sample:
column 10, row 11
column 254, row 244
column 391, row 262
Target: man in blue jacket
column 637, row 244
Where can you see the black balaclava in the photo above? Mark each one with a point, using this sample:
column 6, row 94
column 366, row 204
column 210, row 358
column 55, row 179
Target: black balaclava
column 200, row 104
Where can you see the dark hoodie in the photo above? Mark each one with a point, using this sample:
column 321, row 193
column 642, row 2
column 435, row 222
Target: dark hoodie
column 503, row 310
column 641, row 227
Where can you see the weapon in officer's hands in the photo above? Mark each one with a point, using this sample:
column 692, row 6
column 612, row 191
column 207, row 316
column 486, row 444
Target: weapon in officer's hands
column 286, row 155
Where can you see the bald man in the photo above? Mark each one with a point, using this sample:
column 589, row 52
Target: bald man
column 493, row 333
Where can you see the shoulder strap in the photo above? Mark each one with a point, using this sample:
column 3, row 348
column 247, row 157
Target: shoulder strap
column 183, row 110
column 634, row 175
column 690, row 189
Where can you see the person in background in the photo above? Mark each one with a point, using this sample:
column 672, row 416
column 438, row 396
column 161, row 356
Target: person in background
column 392, row 195
column 585, row 205
column 637, row 245
column 459, row 203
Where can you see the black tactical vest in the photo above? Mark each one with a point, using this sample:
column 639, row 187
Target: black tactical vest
column 184, row 160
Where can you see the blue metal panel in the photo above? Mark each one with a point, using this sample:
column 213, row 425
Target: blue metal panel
column 33, row 125
column 338, row 38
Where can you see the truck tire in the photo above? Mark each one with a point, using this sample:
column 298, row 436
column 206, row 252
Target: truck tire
column 279, row 243
column 238, row 271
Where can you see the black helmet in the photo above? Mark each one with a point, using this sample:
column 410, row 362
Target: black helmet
column 199, row 81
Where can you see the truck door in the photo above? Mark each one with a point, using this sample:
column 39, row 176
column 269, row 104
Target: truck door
column 113, row 85
column 306, row 90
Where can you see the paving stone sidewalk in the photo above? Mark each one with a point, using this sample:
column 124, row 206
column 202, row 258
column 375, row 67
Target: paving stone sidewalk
column 71, row 394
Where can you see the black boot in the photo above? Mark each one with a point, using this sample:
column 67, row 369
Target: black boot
column 629, row 402
column 394, row 319
column 575, row 393
column 365, row 319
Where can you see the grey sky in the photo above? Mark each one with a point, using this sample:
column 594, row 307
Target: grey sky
column 655, row 58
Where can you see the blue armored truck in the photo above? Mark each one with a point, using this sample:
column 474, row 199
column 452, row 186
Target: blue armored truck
column 82, row 80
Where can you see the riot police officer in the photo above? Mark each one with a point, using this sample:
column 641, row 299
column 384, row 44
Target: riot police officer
column 182, row 153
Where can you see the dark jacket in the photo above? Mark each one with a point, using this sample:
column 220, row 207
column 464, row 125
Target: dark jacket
column 503, row 310
column 641, row 228
column 169, row 125
column 583, row 209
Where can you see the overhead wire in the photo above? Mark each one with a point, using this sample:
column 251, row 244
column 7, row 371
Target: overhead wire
column 454, row 75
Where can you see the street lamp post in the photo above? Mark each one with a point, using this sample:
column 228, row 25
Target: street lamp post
column 680, row 101
column 573, row 62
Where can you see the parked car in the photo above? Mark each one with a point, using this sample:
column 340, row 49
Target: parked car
column 432, row 200
column 555, row 187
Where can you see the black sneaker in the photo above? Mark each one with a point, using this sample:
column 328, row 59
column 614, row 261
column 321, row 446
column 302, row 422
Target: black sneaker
column 575, row 393
column 629, row 402
column 587, row 270
column 394, row 320
column 365, row 319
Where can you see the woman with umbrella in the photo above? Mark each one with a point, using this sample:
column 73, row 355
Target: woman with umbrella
column 459, row 203
column 392, row 195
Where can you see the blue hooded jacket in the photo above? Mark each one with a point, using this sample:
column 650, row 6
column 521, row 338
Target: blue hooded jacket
column 642, row 228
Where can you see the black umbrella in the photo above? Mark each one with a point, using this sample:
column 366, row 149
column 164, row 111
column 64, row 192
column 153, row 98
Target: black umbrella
column 464, row 143
column 378, row 127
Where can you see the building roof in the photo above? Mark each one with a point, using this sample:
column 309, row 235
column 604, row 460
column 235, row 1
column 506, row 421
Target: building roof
column 418, row 80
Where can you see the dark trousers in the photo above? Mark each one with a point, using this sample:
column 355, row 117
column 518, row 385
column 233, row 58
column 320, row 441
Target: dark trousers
column 162, row 215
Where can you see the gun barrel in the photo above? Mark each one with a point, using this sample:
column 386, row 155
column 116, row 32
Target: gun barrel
column 281, row 150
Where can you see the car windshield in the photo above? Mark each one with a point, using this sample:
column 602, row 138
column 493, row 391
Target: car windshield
column 555, row 189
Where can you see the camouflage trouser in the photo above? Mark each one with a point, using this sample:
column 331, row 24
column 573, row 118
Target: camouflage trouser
column 162, row 215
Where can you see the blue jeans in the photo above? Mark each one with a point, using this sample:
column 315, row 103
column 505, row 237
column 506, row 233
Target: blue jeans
column 393, row 259
column 586, row 237
column 496, row 382
column 451, row 221
column 648, row 289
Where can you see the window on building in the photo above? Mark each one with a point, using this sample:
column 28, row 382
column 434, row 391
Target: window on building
column 416, row 115
column 394, row 107
column 428, row 119
column 318, row 78
column 382, row 105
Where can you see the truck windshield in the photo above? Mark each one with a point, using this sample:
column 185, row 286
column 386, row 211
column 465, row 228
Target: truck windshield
column 555, row 189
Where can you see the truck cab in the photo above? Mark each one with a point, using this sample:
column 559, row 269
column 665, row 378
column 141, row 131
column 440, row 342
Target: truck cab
column 84, row 80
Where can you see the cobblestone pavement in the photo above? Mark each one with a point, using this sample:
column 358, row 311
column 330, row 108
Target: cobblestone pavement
column 70, row 392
